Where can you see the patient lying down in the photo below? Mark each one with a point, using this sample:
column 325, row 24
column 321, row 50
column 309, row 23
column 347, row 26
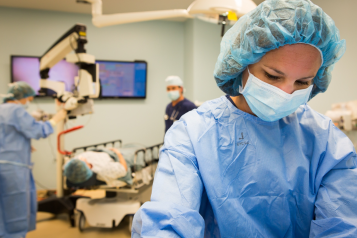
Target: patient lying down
column 108, row 164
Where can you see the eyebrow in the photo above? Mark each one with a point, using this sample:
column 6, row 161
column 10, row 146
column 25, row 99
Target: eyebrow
column 279, row 72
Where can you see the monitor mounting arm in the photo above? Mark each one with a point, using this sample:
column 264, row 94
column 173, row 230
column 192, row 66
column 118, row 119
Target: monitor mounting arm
column 87, row 83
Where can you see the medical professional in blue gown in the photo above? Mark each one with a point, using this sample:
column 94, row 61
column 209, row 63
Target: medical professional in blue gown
column 18, row 203
column 179, row 105
column 259, row 162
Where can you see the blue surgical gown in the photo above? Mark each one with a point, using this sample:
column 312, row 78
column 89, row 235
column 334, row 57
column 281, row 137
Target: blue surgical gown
column 225, row 173
column 18, row 203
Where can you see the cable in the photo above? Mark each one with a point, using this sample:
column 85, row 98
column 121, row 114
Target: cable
column 51, row 147
column 69, row 124
column 39, row 184
column 79, row 60
column 90, row 117
column 37, row 105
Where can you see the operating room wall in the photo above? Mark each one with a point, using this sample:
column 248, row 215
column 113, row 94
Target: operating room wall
column 207, row 38
column 160, row 43
column 343, row 86
column 202, row 45
column 189, row 65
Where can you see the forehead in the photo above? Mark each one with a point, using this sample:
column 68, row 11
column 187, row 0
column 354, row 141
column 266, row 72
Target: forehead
column 297, row 57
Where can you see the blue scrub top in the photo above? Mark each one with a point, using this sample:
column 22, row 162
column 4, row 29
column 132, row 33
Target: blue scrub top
column 174, row 113
column 226, row 173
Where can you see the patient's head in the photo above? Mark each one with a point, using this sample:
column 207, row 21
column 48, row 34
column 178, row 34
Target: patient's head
column 77, row 171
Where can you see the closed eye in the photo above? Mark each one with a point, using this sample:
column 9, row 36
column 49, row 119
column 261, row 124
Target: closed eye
column 272, row 77
column 303, row 83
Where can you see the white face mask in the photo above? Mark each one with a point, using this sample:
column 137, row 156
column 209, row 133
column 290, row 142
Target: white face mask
column 173, row 95
column 270, row 103
column 26, row 105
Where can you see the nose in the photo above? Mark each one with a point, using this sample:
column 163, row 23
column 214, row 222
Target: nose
column 287, row 87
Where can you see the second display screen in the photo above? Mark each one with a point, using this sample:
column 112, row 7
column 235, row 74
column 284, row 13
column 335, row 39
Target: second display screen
column 118, row 79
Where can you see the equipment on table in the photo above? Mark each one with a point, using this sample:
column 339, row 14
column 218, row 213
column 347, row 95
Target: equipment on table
column 344, row 115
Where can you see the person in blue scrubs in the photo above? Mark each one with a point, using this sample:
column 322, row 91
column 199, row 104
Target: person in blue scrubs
column 259, row 162
column 179, row 105
column 18, row 202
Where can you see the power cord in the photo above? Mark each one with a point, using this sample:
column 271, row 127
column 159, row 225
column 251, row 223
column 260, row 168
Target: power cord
column 79, row 60
column 37, row 105
column 51, row 147
column 88, row 121
column 41, row 185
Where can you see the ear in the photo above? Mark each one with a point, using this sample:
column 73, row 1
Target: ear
column 181, row 90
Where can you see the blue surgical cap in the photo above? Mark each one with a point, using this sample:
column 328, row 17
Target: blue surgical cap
column 275, row 23
column 77, row 171
column 19, row 90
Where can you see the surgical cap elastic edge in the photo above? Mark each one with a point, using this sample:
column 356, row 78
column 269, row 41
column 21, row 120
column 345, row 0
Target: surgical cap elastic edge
column 18, row 91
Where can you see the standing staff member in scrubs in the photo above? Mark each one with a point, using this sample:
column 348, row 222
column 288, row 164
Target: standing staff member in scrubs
column 259, row 162
column 179, row 105
column 18, row 203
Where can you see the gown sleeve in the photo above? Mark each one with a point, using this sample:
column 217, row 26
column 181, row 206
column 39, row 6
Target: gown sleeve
column 175, row 202
column 29, row 127
column 336, row 201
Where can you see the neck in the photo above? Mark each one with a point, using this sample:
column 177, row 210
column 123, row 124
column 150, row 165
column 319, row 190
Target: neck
column 174, row 103
column 242, row 104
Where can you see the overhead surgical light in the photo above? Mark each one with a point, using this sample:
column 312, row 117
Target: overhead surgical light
column 214, row 11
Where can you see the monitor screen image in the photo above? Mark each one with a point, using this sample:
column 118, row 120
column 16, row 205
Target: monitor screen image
column 118, row 79
column 122, row 79
column 27, row 69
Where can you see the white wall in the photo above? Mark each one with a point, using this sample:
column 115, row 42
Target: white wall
column 160, row 43
column 202, row 45
column 344, row 79
column 207, row 38
column 189, row 52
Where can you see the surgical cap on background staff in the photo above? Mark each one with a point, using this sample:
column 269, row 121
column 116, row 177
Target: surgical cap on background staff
column 18, row 203
column 179, row 105
column 259, row 162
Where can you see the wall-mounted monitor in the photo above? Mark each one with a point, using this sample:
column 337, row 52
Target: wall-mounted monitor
column 26, row 69
column 120, row 79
